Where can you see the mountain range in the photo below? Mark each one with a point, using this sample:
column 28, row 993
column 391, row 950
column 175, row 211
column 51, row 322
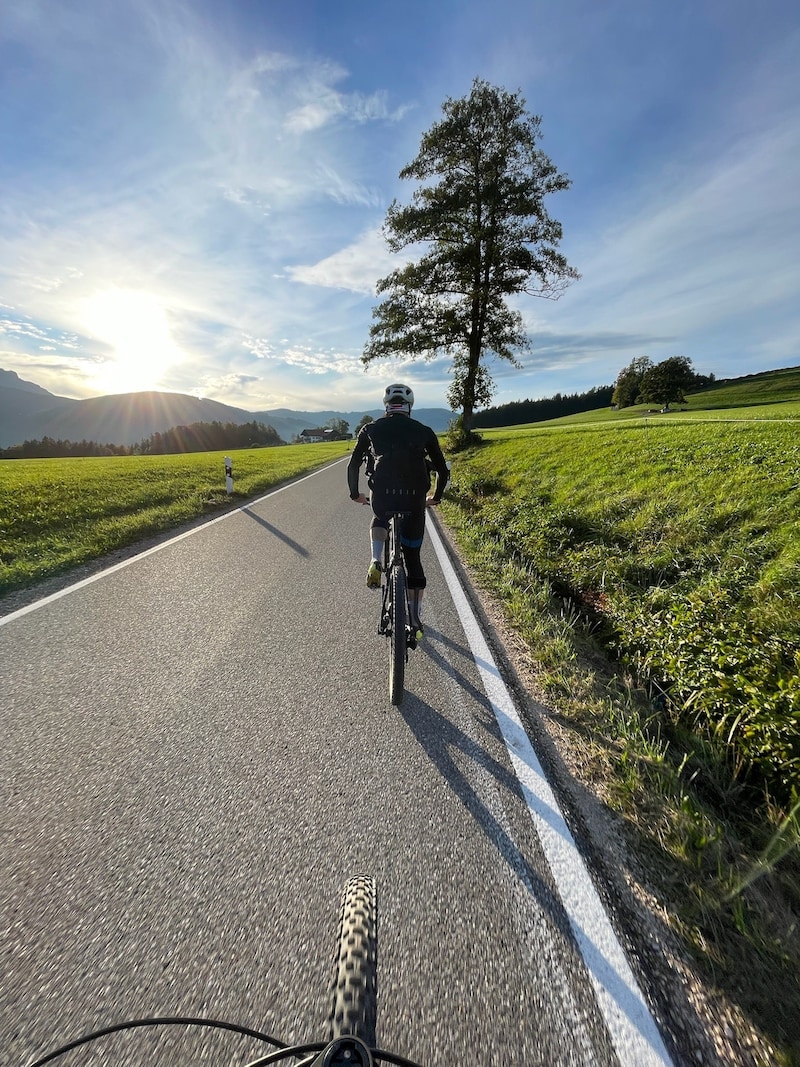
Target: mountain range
column 28, row 412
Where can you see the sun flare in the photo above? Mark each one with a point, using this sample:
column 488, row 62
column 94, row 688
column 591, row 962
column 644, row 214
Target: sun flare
column 135, row 326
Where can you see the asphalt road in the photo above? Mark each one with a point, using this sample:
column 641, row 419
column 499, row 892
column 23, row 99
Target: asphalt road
column 199, row 750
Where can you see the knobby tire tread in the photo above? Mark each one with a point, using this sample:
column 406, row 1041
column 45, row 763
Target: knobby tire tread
column 355, row 985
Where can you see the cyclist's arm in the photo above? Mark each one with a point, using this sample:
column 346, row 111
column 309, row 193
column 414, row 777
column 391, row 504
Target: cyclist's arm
column 440, row 466
column 353, row 467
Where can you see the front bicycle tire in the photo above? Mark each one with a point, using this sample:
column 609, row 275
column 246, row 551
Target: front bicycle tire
column 397, row 637
column 355, row 986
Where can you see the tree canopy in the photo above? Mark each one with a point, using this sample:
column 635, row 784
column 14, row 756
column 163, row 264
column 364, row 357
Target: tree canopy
column 667, row 382
column 209, row 437
column 479, row 209
column 645, row 382
column 340, row 426
column 629, row 382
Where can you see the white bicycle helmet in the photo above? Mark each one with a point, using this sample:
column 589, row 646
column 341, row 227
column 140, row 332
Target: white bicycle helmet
column 398, row 396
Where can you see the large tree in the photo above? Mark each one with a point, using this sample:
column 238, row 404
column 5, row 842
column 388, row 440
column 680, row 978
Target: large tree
column 629, row 382
column 668, row 381
column 479, row 215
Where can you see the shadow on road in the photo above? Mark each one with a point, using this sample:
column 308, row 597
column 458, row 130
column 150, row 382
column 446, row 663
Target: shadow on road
column 281, row 536
column 447, row 745
column 457, row 757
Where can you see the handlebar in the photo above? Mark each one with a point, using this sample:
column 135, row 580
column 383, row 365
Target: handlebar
column 345, row 1051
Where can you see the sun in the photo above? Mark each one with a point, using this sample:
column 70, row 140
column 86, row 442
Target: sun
column 135, row 326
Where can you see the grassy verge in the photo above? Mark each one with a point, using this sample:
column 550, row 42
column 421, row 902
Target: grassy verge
column 56, row 514
column 652, row 572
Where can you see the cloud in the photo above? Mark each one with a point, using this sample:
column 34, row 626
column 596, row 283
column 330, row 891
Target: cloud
column 177, row 214
column 320, row 103
column 561, row 349
column 324, row 106
column 227, row 384
column 305, row 357
column 703, row 248
column 47, row 338
column 327, row 106
column 23, row 329
column 356, row 267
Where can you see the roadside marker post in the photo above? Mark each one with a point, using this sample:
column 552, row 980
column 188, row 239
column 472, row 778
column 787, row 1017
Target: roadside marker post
column 228, row 475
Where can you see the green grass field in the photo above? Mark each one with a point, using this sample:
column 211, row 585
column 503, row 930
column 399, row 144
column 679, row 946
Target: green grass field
column 651, row 568
column 58, row 513
column 682, row 541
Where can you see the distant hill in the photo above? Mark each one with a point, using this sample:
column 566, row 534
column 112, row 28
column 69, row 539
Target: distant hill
column 9, row 379
column 128, row 417
column 22, row 404
column 29, row 412
column 765, row 387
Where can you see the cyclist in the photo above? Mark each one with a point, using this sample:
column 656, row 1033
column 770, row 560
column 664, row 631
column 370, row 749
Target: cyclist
column 400, row 453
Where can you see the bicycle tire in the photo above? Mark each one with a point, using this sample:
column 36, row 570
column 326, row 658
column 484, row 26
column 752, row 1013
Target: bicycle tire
column 355, row 986
column 397, row 642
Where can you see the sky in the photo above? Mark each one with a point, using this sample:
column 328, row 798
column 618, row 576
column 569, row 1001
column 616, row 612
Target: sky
column 192, row 193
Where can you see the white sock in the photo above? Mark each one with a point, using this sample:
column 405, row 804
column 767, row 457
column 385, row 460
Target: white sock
column 378, row 541
column 416, row 595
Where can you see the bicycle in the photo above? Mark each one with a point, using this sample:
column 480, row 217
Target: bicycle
column 395, row 621
column 352, row 1015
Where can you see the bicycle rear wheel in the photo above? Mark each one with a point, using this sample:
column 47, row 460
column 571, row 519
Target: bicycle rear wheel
column 397, row 641
column 355, row 989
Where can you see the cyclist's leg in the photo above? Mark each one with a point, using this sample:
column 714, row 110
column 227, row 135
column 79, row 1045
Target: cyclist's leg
column 378, row 534
column 412, row 533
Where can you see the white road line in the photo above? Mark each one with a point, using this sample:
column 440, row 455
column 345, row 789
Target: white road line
column 149, row 551
column 634, row 1034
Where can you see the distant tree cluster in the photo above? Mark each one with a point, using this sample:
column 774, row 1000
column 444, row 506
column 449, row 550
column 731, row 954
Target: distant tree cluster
column 641, row 382
column 197, row 437
column 645, row 382
column 50, row 448
column 209, row 437
column 340, row 427
column 554, row 407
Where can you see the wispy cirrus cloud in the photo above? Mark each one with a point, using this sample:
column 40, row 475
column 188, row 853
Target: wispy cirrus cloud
column 356, row 267
column 703, row 230
column 306, row 357
column 702, row 264
column 327, row 105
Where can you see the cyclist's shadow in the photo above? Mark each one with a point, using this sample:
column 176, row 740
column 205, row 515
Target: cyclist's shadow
column 299, row 549
column 443, row 741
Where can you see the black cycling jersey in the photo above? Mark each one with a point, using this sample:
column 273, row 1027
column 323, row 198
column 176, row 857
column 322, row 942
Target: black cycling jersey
column 397, row 449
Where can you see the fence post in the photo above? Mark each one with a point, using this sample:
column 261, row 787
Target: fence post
column 228, row 475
